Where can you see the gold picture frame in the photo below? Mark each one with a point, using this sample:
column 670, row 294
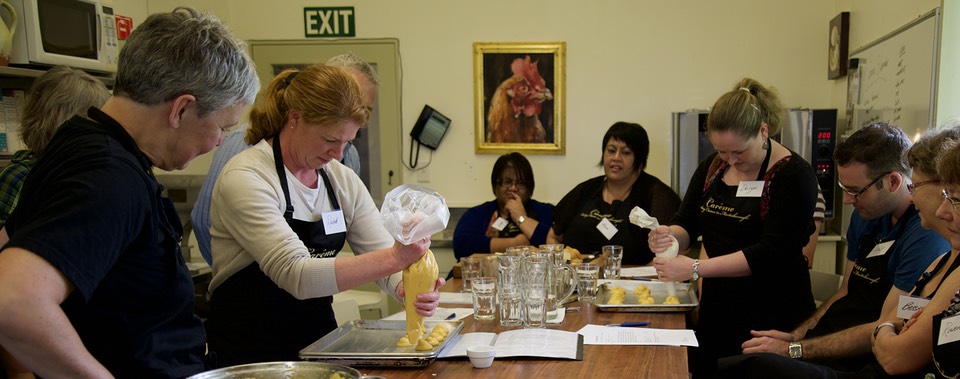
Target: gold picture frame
column 519, row 97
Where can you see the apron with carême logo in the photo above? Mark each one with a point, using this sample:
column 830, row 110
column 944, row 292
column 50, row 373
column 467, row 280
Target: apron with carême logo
column 274, row 325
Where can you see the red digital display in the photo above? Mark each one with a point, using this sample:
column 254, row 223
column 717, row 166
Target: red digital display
column 824, row 135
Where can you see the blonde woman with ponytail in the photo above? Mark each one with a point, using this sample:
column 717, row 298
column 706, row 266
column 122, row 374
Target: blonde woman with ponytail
column 751, row 202
column 282, row 211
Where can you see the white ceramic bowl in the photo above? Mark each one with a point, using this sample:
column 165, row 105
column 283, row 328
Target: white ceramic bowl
column 481, row 356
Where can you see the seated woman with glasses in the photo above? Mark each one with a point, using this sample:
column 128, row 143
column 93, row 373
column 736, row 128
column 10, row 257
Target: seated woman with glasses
column 596, row 212
column 512, row 219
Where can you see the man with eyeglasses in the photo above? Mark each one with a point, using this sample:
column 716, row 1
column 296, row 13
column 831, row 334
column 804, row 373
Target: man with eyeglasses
column 887, row 250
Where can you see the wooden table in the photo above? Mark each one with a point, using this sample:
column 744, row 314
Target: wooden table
column 599, row 361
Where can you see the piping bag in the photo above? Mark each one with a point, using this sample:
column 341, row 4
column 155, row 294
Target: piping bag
column 639, row 217
column 411, row 213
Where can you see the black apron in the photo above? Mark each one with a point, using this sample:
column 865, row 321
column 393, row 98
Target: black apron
column 869, row 283
column 254, row 320
column 728, row 306
column 945, row 363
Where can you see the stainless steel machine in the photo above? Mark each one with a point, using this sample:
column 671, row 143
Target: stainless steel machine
column 812, row 133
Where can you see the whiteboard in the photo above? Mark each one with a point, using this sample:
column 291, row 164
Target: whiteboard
column 896, row 77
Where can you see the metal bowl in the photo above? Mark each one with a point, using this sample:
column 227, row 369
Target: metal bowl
column 281, row 370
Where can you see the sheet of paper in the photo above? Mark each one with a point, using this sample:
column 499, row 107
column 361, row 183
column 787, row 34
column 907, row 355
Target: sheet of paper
column 545, row 343
column 456, row 298
column 439, row 315
column 649, row 271
column 606, row 335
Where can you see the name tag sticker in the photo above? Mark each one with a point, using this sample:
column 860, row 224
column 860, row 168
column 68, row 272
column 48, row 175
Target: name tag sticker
column 607, row 228
column 910, row 305
column 500, row 223
column 880, row 249
column 750, row 188
column 333, row 222
column 949, row 330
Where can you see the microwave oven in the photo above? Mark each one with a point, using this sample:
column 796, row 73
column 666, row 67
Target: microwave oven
column 76, row 33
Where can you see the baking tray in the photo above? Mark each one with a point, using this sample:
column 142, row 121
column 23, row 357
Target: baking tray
column 686, row 293
column 373, row 343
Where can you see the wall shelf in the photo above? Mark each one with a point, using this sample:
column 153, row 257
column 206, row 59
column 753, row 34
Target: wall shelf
column 21, row 78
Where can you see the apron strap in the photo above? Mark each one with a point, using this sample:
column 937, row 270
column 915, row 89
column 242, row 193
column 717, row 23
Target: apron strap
column 278, row 160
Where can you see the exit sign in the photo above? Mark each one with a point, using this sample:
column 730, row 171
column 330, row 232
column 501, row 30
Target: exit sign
column 329, row 22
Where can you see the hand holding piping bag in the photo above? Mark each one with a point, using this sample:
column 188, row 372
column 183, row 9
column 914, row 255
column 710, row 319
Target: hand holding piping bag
column 640, row 218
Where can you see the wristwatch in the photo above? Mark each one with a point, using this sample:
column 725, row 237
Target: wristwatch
column 796, row 351
column 520, row 220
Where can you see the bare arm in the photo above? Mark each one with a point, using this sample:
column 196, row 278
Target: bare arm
column 911, row 349
column 854, row 340
column 33, row 327
column 553, row 237
column 501, row 244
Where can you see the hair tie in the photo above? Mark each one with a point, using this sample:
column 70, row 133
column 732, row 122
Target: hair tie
column 290, row 77
column 745, row 89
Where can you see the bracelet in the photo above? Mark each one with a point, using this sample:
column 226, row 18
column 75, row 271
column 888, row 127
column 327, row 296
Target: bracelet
column 880, row 326
column 696, row 270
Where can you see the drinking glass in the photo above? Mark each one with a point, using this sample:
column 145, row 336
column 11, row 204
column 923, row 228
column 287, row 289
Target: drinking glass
column 614, row 254
column 490, row 266
column 535, row 273
column 484, row 298
column 469, row 269
column 587, row 281
column 510, row 302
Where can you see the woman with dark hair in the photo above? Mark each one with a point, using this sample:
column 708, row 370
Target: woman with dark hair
column 512, row 219
column 596, row 212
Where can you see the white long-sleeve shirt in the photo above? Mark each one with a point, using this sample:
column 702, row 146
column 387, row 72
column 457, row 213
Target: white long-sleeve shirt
column 247, row 224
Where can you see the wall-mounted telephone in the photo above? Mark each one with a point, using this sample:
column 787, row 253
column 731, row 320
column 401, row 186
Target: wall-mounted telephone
column 430, row 127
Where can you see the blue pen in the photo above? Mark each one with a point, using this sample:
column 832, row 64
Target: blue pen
column 629, row 324
column 451, row 316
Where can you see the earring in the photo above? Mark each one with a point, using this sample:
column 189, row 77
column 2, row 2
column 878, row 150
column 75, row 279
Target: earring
column 766, row 144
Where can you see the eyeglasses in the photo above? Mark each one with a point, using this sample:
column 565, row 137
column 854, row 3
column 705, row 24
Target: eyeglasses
column 509, row 183
column 913, row 186
column 856, row 194
column 953, row 201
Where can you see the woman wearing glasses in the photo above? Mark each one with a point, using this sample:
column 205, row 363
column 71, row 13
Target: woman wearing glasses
column 596, row 212
column 512, row 219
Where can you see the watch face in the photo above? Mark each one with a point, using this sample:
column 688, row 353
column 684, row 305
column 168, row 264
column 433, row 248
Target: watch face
column 795, row 350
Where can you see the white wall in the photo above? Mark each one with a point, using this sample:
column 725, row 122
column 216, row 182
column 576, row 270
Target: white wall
column 626, row 60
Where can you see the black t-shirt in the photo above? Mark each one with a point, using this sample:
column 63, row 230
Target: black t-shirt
column 92, row 208
column 578, row 213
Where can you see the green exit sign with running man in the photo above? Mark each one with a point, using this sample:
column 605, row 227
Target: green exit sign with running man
column 329, row 22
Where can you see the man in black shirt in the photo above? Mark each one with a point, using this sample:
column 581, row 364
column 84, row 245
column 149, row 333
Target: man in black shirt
column 92, row 282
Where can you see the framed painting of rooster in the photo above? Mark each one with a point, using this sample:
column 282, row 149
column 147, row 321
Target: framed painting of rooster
column 519, row 97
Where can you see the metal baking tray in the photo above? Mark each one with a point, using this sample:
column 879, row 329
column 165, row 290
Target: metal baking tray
column 686, row 293
column 373, row 343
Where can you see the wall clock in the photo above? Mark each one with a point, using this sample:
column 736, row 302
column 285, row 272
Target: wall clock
column 837, row 47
